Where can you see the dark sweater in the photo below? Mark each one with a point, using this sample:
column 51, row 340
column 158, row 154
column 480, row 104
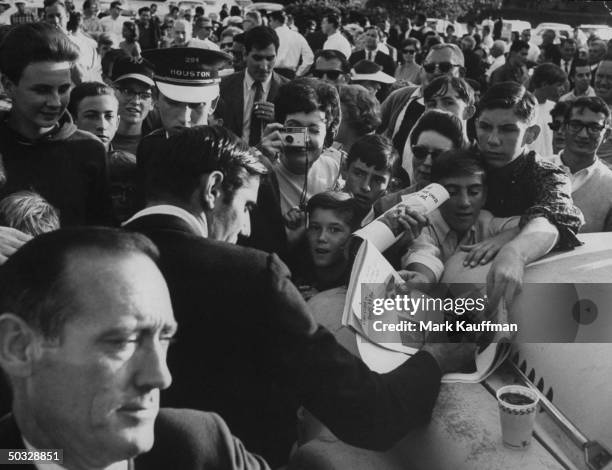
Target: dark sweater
column 66, row 166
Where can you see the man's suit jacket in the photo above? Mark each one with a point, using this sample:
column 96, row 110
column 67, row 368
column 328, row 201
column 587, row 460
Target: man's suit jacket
column 382, row 59
column 185, row 439
column 248, row 348
column 233, row 98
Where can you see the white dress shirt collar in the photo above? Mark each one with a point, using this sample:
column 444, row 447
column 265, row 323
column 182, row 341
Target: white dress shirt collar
column 198, row 226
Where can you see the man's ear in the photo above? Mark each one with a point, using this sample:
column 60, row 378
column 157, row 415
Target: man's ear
column 17, row 345
column 531, row 134
column 606, row 135
column 469, row 111
column 210, row 189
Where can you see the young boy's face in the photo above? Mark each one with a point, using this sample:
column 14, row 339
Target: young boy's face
column 41, row 95
column 467, row 196
column 502, row 136
column 366, row 183
column 98, row 115
column 327, row 235
column 297, row 159
column 451, row 102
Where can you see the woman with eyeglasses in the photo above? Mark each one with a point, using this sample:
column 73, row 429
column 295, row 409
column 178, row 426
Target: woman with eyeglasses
column 408, row 69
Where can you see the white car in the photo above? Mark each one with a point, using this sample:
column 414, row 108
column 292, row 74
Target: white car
column 264, row 7
column 600, row 30
column 558, row 28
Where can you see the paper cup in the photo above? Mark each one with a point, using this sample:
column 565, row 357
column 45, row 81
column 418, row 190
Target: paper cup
column 517, row 412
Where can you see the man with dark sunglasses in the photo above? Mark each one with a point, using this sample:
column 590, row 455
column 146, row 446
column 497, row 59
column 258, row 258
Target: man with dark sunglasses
column 586, row 126
column 331, row 66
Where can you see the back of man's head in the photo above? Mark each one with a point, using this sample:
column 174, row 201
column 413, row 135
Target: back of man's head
column 174, row 173
column 34, row 42
column 40, row 293
column 333, row 20
column 509, row 95
column 547, row 74
column 260, row 37
column 279, row 16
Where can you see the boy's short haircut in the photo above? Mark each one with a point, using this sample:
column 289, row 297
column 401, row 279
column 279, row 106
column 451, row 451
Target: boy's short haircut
column 144, row 10
column 444, row 123
column 509, row 95
column 579, row 63
column 374, row 150
column 547, row 74
column 307, row 95
column 560, row 109
column 343, row 204
column 85, row 90
column 333, row 20
column 592, row 103
column 34, row 42
column 360, row 108
column 29, row 212
column 457, row 163
column 440, row 86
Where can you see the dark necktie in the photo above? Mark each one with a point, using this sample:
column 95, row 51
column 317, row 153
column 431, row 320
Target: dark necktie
column 256, row 123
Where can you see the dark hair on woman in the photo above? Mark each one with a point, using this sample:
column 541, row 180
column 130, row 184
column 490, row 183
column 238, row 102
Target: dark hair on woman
column 509, row 95
column 305, row 95
column 343, row 204
column 443, row 123
column 73, row 22
column 131, row 27
column 235, row 10
column 459, row 162
column 560, row 109
column 374, row 150
column 34, row 42
column 260, row 37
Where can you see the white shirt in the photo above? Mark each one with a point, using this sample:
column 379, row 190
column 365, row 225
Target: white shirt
column 198, row 226
column 533, row 53
column 497, row 63
column 581, row 176
column 113, row 27
column 571, row 96
column 339, row 43
column 44, row 465
column 566, row 65
column 292, row 47
column 203, row 44
column 249, row 98
column 543, row 144
column 89, row 60
column 321, row 177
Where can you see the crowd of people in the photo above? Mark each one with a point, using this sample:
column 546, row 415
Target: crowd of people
column 198, row 179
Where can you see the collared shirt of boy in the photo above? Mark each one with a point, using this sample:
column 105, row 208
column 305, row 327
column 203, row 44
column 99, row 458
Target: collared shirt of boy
column 438, row 242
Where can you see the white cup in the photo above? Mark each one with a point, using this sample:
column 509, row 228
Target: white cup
column 517, row 418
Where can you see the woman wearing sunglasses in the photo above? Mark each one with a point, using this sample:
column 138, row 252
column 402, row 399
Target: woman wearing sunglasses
column 408, row 69
column 434, row 133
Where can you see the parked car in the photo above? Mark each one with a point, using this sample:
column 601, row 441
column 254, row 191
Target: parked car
column 264, row 7
column 601, row 31
column 558, row 28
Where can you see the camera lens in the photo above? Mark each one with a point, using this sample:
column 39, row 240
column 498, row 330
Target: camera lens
column 289, row 139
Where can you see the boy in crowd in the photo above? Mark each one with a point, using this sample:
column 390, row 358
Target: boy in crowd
column 520, row 183
column 581, row 77
column 548, row 83
column 95, row 109
column 460, row 221
column 369, row 170
column 557, row 126
column 586, row 126
column 41, row 148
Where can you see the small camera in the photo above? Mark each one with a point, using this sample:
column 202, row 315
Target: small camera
column 294, row 137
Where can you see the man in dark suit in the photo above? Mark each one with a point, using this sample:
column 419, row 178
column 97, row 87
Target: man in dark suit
column 371, row 52
column 83, row 342
column 248, row 347
column 249, row 95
